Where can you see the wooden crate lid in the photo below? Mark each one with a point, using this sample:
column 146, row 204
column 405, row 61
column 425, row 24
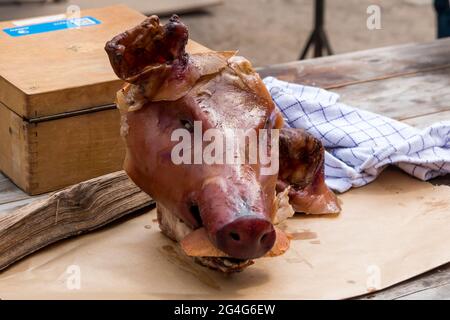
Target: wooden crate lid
column 62, row 71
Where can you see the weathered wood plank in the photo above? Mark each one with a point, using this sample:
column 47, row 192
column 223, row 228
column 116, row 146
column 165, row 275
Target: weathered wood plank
column 375, row 64
column 436, row 293
column 433, row 284
column 9, row 192
column 14, row 205
column 77, row 209
column 402, row 98
column 427, row 120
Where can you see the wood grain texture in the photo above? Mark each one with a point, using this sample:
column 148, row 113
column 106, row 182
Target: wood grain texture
column 80, row 208
column 428, row 119
column 434, row 284
column 74, row 149
column 404, row 97
column 14, row 205
column 362, row 66
column 47, row 156
column 9, row 192
column 14, row 147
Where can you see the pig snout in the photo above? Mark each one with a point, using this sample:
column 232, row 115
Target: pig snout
column 246, row 237
column 236, row 219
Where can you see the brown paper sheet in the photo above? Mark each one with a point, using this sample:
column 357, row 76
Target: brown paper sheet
column 389, row 231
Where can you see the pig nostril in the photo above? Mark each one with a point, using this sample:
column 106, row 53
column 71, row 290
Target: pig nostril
column 264, row 237
column 195, row 211
column 246, row 237
column 235, row 236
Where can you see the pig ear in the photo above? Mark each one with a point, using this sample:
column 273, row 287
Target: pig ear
column 302, row 168
column 315, row 198
column 152, row 58
column 145, row 45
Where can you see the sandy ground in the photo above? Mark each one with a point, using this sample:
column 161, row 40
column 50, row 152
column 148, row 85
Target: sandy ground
column 275, row 31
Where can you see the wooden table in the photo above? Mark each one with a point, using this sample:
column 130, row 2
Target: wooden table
column 410, row 83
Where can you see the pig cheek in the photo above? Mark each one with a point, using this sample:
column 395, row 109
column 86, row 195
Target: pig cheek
column 150, row 165
column 268, row 185
column 143, row 142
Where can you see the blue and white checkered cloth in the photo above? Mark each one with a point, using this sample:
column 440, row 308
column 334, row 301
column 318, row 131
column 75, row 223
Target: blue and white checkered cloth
column 360, row 144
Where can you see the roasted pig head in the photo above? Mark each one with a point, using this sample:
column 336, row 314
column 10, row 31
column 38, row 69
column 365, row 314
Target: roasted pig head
column 225, row 206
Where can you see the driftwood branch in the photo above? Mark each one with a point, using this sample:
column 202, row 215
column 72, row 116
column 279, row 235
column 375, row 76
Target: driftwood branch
column 74, row 210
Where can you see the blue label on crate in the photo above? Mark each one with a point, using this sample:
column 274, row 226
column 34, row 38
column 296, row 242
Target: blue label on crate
column 72, row 23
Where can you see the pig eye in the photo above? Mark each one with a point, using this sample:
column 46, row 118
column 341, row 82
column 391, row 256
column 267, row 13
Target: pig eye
column 187, row 124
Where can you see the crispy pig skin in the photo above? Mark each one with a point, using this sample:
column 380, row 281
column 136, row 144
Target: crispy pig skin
column 148, row 44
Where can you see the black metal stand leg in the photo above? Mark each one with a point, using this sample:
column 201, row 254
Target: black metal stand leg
column 308, row 44
column 325, row 41
column 318, row 37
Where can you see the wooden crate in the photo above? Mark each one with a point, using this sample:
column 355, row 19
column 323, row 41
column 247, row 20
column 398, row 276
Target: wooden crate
column 58, row 121
column 49, row 155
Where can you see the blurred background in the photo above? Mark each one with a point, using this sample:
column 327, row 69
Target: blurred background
column 270, row 31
